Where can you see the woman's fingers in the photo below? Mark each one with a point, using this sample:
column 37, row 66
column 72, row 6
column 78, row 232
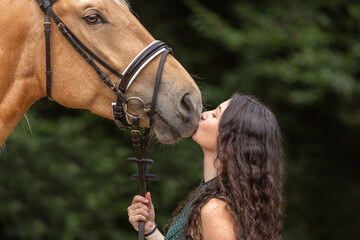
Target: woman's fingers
column 139, row 198
column 136, row 218
column 138, row 205
column 139, row 211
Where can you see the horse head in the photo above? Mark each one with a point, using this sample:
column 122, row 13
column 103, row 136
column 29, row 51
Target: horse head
column 111, row 31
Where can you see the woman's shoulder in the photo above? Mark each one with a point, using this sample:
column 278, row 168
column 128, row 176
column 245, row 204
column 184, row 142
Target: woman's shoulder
column 216, row 207
column 217, row 222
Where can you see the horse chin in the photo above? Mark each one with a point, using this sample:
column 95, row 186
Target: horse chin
column 168, row 132
column 166, row 136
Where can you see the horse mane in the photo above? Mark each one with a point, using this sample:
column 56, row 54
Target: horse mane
column 126, row 2
column 3, row 152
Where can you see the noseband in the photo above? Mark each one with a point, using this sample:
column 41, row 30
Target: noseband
column 120, row 108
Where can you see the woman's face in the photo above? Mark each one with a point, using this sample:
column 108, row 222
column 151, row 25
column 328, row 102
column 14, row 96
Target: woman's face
column 207, row 130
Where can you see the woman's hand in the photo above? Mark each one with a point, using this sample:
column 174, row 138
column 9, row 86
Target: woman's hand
column 142, row 209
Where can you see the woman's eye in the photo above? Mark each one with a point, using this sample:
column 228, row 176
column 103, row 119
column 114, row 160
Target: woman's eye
column 93, row 19
column 213, row 115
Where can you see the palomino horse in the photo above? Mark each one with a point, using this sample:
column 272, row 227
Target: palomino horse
column 117, row 37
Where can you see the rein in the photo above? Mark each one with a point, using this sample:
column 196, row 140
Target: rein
column 120, row 108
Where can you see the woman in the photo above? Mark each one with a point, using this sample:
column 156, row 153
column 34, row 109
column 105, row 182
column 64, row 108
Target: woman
column 241, row 195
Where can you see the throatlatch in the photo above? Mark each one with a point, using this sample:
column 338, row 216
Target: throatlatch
column 121, row 115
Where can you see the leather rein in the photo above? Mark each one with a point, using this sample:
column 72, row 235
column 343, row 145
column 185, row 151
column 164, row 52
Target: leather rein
column 121, row 115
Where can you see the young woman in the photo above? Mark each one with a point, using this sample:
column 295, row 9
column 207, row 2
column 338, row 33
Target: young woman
column 241, row 195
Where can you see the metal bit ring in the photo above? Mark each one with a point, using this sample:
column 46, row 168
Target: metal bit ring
column 146, row 109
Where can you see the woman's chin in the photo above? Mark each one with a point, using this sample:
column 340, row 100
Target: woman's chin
column 194, row 136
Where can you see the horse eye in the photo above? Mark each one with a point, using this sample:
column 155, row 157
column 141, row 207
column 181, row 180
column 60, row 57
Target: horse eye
column 93, row 19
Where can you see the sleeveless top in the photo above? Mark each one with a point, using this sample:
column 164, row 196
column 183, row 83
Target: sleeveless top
column 177, row 228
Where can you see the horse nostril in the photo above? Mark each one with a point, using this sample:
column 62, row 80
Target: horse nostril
column 186, row 103
column 187, row 107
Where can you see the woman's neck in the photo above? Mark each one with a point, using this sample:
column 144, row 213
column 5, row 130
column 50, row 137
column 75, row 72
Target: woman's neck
column 209, row 165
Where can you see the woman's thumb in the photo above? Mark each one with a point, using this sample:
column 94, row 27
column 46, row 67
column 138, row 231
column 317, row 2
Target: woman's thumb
column 148, row 197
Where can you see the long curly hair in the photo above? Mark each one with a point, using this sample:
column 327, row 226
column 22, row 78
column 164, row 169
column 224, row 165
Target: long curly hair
column 250, row 173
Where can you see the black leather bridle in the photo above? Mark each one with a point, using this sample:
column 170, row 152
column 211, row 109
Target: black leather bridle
column 121, row 115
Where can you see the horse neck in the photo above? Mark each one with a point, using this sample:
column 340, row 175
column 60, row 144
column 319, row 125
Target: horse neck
column 20, row 54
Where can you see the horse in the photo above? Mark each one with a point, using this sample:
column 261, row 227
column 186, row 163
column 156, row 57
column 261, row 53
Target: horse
column 109, row 29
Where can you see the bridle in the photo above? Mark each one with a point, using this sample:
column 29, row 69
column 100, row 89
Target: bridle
column 127, row 78
column 120, row 109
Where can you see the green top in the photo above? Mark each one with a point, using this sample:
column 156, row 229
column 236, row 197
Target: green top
column 176, row 229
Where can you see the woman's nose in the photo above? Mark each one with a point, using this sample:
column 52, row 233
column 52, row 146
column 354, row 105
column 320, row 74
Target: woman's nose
column 204, row 115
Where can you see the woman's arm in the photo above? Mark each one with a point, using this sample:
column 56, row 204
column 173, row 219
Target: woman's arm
column 217, row 223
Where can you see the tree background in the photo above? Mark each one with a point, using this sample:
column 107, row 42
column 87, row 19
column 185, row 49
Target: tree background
column 64, row 176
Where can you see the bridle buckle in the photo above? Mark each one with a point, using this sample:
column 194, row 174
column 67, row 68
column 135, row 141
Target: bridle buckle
column 135, row 131
column 60, row 25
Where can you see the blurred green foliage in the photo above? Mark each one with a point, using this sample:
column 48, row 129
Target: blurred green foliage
column 67, row 178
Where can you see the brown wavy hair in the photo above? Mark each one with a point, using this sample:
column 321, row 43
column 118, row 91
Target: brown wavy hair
column 250, row 173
